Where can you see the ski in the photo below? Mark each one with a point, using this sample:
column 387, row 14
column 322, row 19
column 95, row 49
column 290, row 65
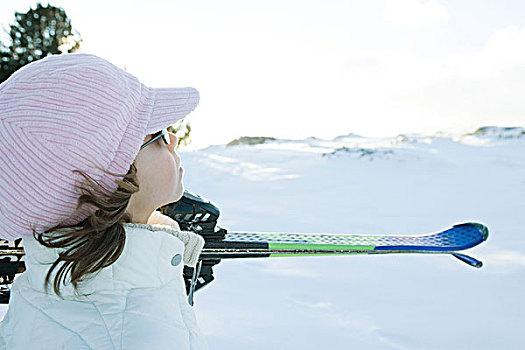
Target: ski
column 269, row 244
column 197, row 214
column 272, row 244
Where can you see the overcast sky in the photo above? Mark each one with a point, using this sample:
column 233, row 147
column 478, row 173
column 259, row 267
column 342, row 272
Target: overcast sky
column 290, row 68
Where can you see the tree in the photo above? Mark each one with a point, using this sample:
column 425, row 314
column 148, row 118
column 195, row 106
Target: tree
column 36, row 34
column 47, row 31
column 182, row 129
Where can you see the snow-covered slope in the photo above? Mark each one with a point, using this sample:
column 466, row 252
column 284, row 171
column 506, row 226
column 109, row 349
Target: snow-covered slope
column 405, row 185
column 410, row 184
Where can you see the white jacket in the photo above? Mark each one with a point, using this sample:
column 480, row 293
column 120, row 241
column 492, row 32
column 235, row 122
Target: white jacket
column 139, row 302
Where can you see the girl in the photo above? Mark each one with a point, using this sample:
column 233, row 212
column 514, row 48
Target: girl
column 85, row 161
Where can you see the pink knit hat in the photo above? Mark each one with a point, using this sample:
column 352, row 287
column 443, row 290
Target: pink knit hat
column 72, row 112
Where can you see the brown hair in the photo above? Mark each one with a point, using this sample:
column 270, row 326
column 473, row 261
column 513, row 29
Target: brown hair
column 97, row 241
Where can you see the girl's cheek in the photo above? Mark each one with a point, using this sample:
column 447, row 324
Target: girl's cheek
column 169, row 166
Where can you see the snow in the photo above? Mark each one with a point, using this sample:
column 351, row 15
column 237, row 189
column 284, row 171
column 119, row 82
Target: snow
column 410, row 184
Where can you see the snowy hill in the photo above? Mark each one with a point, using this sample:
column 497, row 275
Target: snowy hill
column 410, row 184
column 499, row 132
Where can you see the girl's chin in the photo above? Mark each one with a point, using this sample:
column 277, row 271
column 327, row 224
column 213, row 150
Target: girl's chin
column 179, row 193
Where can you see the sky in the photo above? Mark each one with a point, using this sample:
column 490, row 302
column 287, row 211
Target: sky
column 295, row 69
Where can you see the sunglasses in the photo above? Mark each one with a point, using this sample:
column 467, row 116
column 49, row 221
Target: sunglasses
column 163, row 133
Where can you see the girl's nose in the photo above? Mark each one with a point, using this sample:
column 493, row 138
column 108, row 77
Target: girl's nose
column 173, row 142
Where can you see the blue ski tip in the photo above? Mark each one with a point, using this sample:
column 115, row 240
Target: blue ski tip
column 484, row 230
column 459, row 237
column 468, row 260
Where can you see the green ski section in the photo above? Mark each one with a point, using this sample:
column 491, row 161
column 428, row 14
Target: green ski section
column 316, row 249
